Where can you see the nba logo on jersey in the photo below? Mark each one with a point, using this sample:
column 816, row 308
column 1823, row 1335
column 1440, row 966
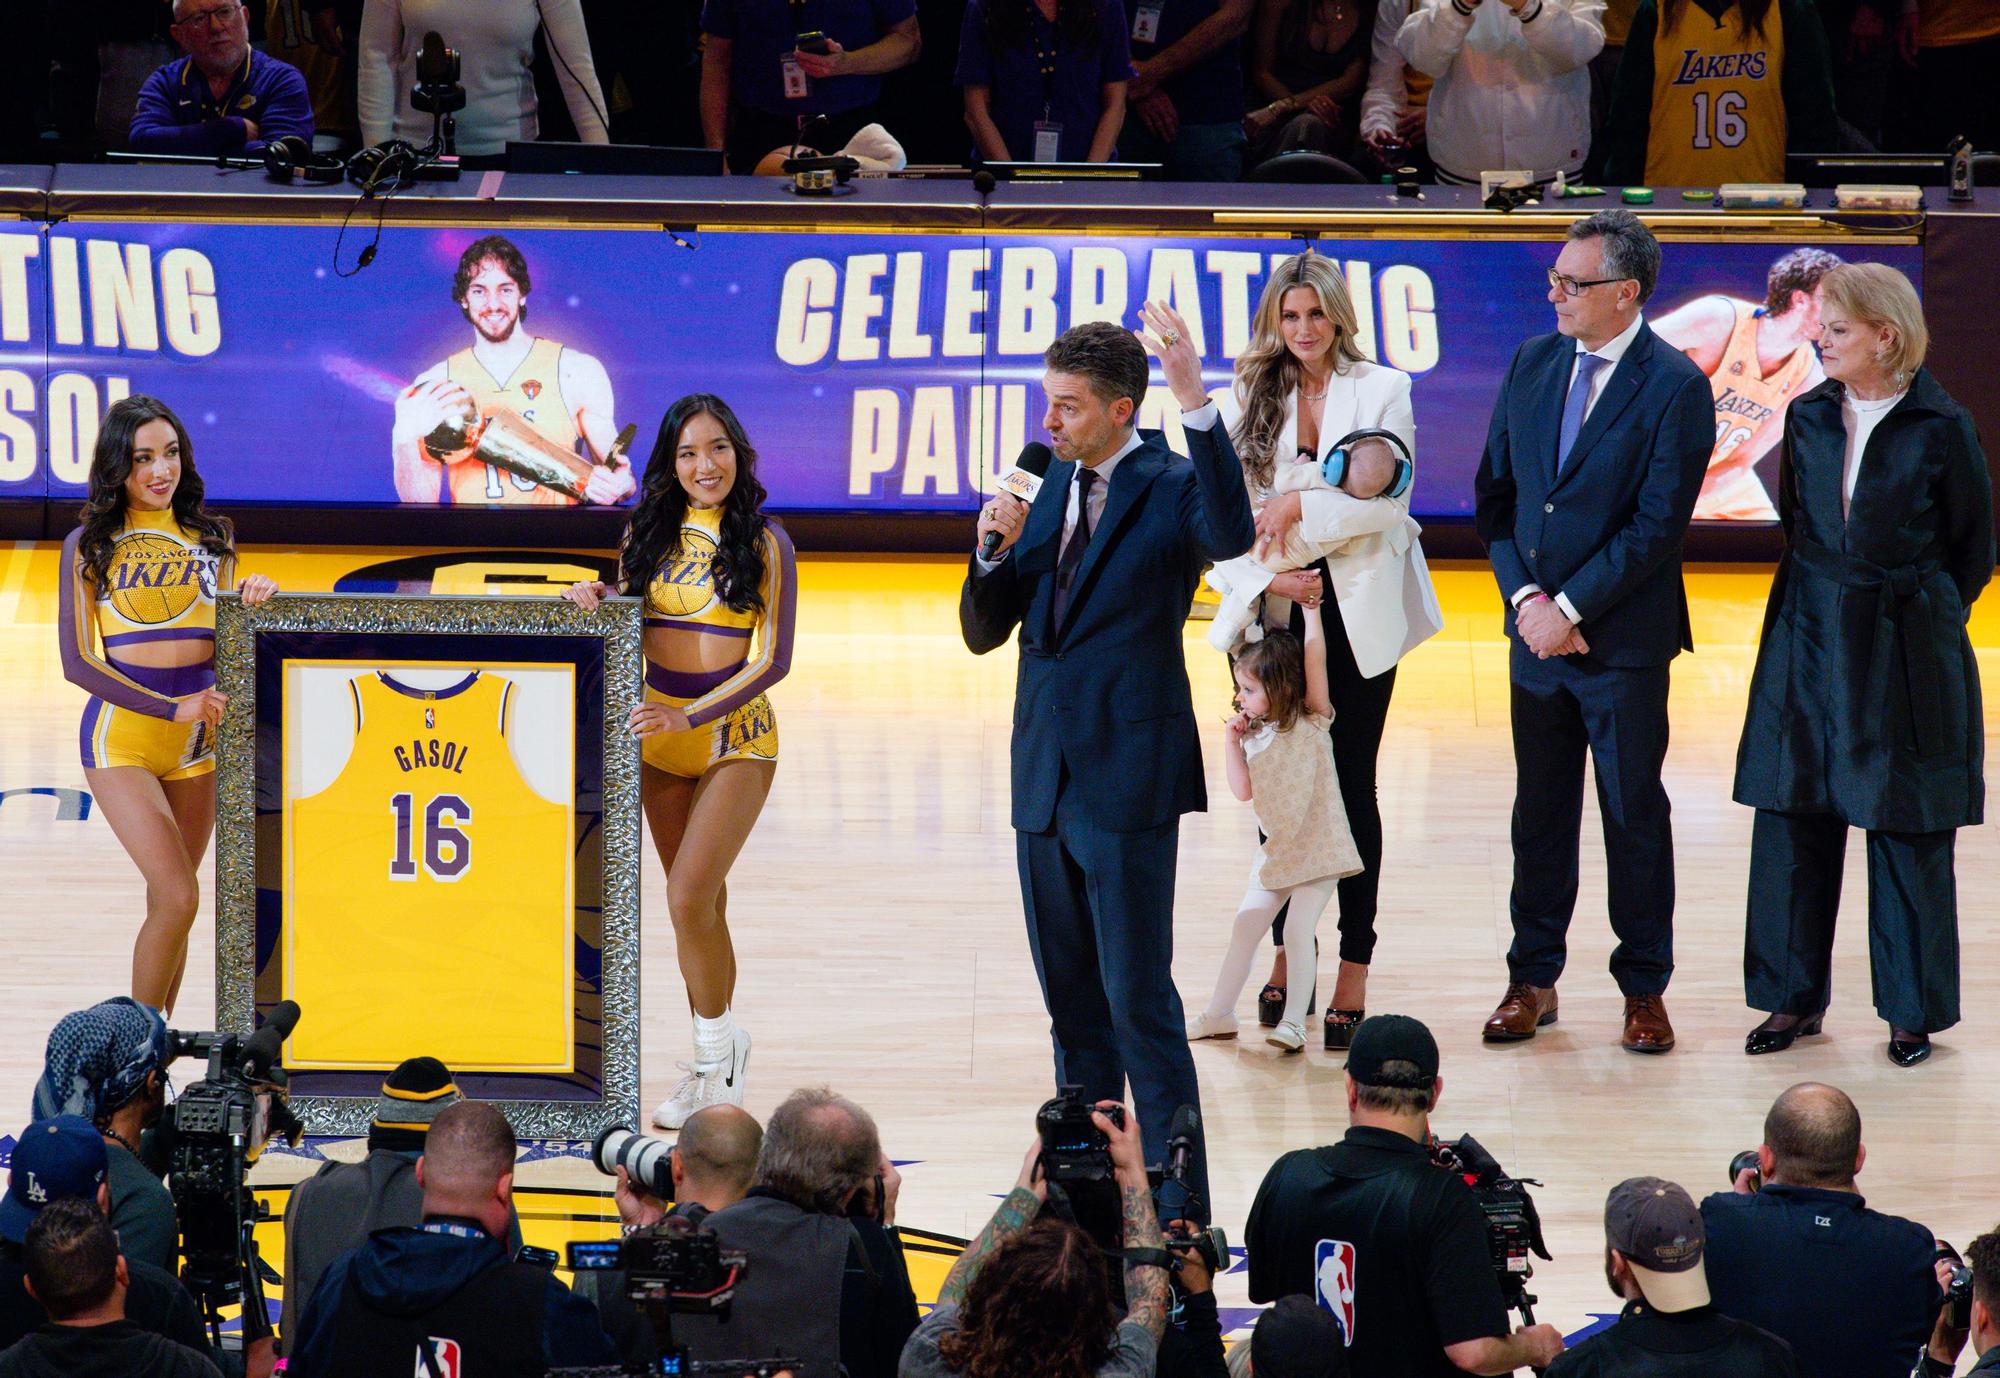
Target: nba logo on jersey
column 443, row 1360
column 1333, row 1282
column 430, row 717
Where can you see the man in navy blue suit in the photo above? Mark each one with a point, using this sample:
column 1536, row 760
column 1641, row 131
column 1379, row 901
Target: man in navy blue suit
column 1098, row 574
column 1592, row 464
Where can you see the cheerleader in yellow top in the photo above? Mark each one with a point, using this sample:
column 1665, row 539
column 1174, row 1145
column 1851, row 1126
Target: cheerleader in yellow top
column 716, row 576
column 137, row 622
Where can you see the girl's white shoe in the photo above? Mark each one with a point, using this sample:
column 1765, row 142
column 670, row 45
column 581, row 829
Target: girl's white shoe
column 1206, row 1025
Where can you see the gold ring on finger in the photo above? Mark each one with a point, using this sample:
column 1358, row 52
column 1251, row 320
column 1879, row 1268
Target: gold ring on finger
column 1171, row 338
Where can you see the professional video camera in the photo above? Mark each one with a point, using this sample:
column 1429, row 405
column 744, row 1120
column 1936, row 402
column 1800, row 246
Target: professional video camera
column 215, row 1130
column 1513, row 1228
column 673, row 1268
column 1074, row 1149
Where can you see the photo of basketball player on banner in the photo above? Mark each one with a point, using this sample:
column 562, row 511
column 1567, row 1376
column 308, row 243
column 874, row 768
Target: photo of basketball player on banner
column 1757, row 358
column 499, row 421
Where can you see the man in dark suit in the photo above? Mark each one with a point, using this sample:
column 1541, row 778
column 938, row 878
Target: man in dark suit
column 1592, row 465
column 1098, row 574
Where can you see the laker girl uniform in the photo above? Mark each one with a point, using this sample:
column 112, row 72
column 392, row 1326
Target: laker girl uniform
column 729, row 717
column 160, row 586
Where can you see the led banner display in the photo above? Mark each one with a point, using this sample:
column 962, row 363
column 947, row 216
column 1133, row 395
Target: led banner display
column 872, row 372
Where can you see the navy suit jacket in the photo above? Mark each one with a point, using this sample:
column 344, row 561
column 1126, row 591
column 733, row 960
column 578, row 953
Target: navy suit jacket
column 1606, row 532
column 1107, row 692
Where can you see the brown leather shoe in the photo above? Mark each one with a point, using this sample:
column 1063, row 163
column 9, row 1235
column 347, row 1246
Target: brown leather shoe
column 1522, row 1010
column 1646, row 1026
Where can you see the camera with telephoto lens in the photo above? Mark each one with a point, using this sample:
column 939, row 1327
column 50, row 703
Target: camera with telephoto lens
column 1074, row 1149
column 647, row 1161
column 1513, row 1228
column 1746, row 1161
column 215, row 1130
column 1957, row 1292
column 676, row 1267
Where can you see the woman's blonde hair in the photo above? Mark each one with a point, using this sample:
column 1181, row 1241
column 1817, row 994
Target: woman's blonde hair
column 1875, row 295
column 1267, row 372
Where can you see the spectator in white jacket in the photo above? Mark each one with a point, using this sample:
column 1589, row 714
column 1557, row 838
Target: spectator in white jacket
column 1513, row 82
column 496, row 41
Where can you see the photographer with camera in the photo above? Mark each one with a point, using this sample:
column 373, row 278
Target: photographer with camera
column 711, row 1166
column 444, row 1297
column 1029, row 1295
column 1983, row 1255
column 1668, row 1329
column 826, row 1278
column 108, row 1065
column 74, row 1270
column 337, row 1208
column 1853, row 1291
column 1393, row 1245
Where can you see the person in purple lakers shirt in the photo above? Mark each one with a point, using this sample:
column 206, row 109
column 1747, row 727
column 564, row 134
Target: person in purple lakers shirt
column 222, row 98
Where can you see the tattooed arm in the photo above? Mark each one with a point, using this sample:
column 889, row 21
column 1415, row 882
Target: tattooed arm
column 1145, row 1284
column 1016, row 1213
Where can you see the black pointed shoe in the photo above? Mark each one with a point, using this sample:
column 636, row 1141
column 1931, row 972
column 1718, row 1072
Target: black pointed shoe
column 1908, row 1051
column 1766, row 1039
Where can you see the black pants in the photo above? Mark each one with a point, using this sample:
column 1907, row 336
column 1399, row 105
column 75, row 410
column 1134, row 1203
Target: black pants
column 1563, row 708
column 1795, row 869
column 1360, row 711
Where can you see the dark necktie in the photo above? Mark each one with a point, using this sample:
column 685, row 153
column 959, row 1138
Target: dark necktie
column 1579, row 401
column 1079, row 541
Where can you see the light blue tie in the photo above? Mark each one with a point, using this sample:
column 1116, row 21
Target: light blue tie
column 1573, row 409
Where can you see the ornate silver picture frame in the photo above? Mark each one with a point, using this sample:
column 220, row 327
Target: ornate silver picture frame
column 255, row 645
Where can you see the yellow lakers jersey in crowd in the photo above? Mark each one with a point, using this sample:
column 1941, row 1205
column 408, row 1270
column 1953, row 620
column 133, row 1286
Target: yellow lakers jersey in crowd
column 1718, row 103
column 534, row 393
column 428, row 892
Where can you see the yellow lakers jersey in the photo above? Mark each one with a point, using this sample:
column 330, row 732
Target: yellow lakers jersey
column 534, row 393
column 1749, row 404
column 160, row 584
column 428, row 892
column 682, row 591
column 1718, row 107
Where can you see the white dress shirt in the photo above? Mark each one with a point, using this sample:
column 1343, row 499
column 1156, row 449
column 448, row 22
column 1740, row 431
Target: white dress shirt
column 1861, row 418
column 1611, row 353
column 1513, row 86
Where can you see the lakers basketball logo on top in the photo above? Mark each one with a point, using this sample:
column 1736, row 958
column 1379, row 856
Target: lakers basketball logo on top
column 155, row 577
column 1699, row 66
column 685, row 584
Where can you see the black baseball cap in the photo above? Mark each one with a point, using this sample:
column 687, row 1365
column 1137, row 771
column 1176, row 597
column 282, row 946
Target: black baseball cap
column 1386, row 1038
column 1296, row 1339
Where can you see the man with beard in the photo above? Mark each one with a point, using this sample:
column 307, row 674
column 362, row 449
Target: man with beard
column 562, row 394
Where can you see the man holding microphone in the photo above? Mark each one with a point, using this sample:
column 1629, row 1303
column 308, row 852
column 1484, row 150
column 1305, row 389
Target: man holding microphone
column 1098, row 574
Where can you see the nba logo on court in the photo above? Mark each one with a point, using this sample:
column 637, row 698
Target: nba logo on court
column 443, row 1353
column 1333, row 1282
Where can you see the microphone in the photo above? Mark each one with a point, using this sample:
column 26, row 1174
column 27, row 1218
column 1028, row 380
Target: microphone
column 983, row 182
column 1181, row 1134
column 261, row 1049
column 1023, row 481
column 434, row 65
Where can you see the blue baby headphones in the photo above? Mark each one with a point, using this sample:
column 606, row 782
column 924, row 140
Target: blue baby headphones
column 1335, row 467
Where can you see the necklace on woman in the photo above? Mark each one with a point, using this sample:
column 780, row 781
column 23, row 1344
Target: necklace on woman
column 1312, row 396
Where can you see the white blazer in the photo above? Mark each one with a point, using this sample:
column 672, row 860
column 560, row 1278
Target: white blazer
column 1377, row 568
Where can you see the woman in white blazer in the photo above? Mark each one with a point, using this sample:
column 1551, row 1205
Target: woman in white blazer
column 1302, row 385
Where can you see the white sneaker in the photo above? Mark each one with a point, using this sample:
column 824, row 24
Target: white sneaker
column 1205, row 1025
column 706, row 1084
column 1287, row 1035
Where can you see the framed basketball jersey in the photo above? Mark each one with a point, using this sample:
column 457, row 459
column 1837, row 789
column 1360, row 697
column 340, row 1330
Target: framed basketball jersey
column 428, row 838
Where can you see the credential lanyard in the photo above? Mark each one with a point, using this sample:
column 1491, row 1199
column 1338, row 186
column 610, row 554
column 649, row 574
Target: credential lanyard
column 1045, row 56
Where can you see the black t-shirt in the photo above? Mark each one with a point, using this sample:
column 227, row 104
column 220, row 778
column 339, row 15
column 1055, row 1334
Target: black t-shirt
column 1392, row 1245
column 118, row 1349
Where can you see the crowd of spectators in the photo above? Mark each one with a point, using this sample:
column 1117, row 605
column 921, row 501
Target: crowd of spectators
column 1674, row 92
column 1374, row 1258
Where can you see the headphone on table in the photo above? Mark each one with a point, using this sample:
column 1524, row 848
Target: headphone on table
column 1335, row 466
column 384, row 163
column 294, row 159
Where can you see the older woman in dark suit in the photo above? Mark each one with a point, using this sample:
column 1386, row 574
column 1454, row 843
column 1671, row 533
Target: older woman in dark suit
column 1865, row 708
